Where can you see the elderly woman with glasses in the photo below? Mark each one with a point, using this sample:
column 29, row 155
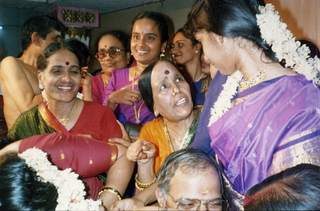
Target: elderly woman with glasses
column 113, row 54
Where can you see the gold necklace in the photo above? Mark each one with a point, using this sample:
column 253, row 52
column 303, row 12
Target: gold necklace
column 65, row 120
column 179, row 140
column 247, row 83
column 182, row 142
column 136, row 113
column 199, row 77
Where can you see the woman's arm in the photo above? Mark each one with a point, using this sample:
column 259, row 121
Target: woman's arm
column 118, row 178
column 11, row 148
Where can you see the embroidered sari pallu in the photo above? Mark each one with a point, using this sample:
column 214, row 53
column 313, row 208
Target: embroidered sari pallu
column 86, row 157
column 275, row 126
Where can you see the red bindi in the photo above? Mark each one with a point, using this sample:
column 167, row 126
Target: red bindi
column 166, row 72
column 67, row 63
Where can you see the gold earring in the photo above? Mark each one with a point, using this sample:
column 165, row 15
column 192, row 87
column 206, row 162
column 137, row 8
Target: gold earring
column 197, row 51
column 162, row 54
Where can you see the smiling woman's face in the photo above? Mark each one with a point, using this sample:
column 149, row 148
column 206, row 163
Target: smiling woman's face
column 62, row 77
column 145, row 42
column 171, row 92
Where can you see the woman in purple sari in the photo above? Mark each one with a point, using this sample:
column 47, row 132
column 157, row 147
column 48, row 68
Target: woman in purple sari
column 266, row 118
column 149, row 36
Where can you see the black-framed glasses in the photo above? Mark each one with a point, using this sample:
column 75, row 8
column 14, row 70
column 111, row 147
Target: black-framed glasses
column 194, row 204
column 113, row 53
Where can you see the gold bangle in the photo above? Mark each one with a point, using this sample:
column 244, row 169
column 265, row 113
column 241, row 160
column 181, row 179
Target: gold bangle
column 138, row 187
column 143, row 185
column 111, row 190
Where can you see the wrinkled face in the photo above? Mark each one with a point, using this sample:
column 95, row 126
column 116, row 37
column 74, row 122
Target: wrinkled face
column 53, row 36
column 115, row 62
column 182, row 49
column 203, row 186
column 171, row 92
column 146, row 43
column 62, row 77
column 221, row 55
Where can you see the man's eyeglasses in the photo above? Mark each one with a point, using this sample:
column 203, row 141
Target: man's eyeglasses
column 194, row 204
column 113, row 53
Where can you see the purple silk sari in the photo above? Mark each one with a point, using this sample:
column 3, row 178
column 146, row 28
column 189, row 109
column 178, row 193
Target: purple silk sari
column 120, row 80
column 275, row 125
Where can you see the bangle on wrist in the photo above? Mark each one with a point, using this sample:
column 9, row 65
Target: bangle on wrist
column 141, row 186
column 111, row 190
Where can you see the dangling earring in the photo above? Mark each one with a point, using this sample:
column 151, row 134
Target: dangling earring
column 156, row 113
column 45, row 97
column 41, row 86
column 162, row 54
column 79, row 95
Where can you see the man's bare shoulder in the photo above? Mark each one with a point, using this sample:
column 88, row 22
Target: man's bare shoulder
column 12, row 66
column 9, row 60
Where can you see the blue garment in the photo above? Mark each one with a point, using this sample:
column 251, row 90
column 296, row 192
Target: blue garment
column 200, row 96
column 202, row 139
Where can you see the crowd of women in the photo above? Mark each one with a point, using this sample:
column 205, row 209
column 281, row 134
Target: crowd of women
column 236, row 102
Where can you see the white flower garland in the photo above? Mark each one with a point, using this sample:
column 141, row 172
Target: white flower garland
column 70, row 189
column 223, row 103
column 282, row 42
column 274, row 32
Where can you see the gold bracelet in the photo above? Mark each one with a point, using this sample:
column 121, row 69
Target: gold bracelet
column 111, row 190
column 143, row 185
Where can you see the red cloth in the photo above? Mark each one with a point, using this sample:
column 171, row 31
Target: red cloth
column 85, row 156
column 98, row 121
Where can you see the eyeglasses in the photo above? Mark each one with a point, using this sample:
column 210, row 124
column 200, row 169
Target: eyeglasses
column 113, row 53
column 194, row 204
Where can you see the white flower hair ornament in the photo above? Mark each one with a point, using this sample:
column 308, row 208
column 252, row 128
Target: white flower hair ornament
column 70, row 189
column 282, row 42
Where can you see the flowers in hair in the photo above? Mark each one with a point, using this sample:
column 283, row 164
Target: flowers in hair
column 223, row 103
column 70, row 189
column 282, row 42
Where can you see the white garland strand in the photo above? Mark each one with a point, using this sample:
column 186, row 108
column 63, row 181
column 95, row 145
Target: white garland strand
column 223, row 103
column 70, row 189
column 282, row 42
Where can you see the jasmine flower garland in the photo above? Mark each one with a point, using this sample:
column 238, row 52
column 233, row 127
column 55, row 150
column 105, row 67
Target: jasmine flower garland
column 223, row 103
column 70, row 189
column 282, row 42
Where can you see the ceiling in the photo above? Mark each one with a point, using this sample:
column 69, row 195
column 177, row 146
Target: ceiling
column 103, row 6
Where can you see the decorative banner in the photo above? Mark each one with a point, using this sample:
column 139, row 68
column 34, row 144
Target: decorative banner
column 78, row 21
column 75, row 16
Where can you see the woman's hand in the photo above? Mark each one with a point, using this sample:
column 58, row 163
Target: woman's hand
column 125, row 140
column 141, row 151
column 124, row 96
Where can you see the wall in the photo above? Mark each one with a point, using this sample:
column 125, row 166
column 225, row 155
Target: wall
column 301, row 16
column 11, row 19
